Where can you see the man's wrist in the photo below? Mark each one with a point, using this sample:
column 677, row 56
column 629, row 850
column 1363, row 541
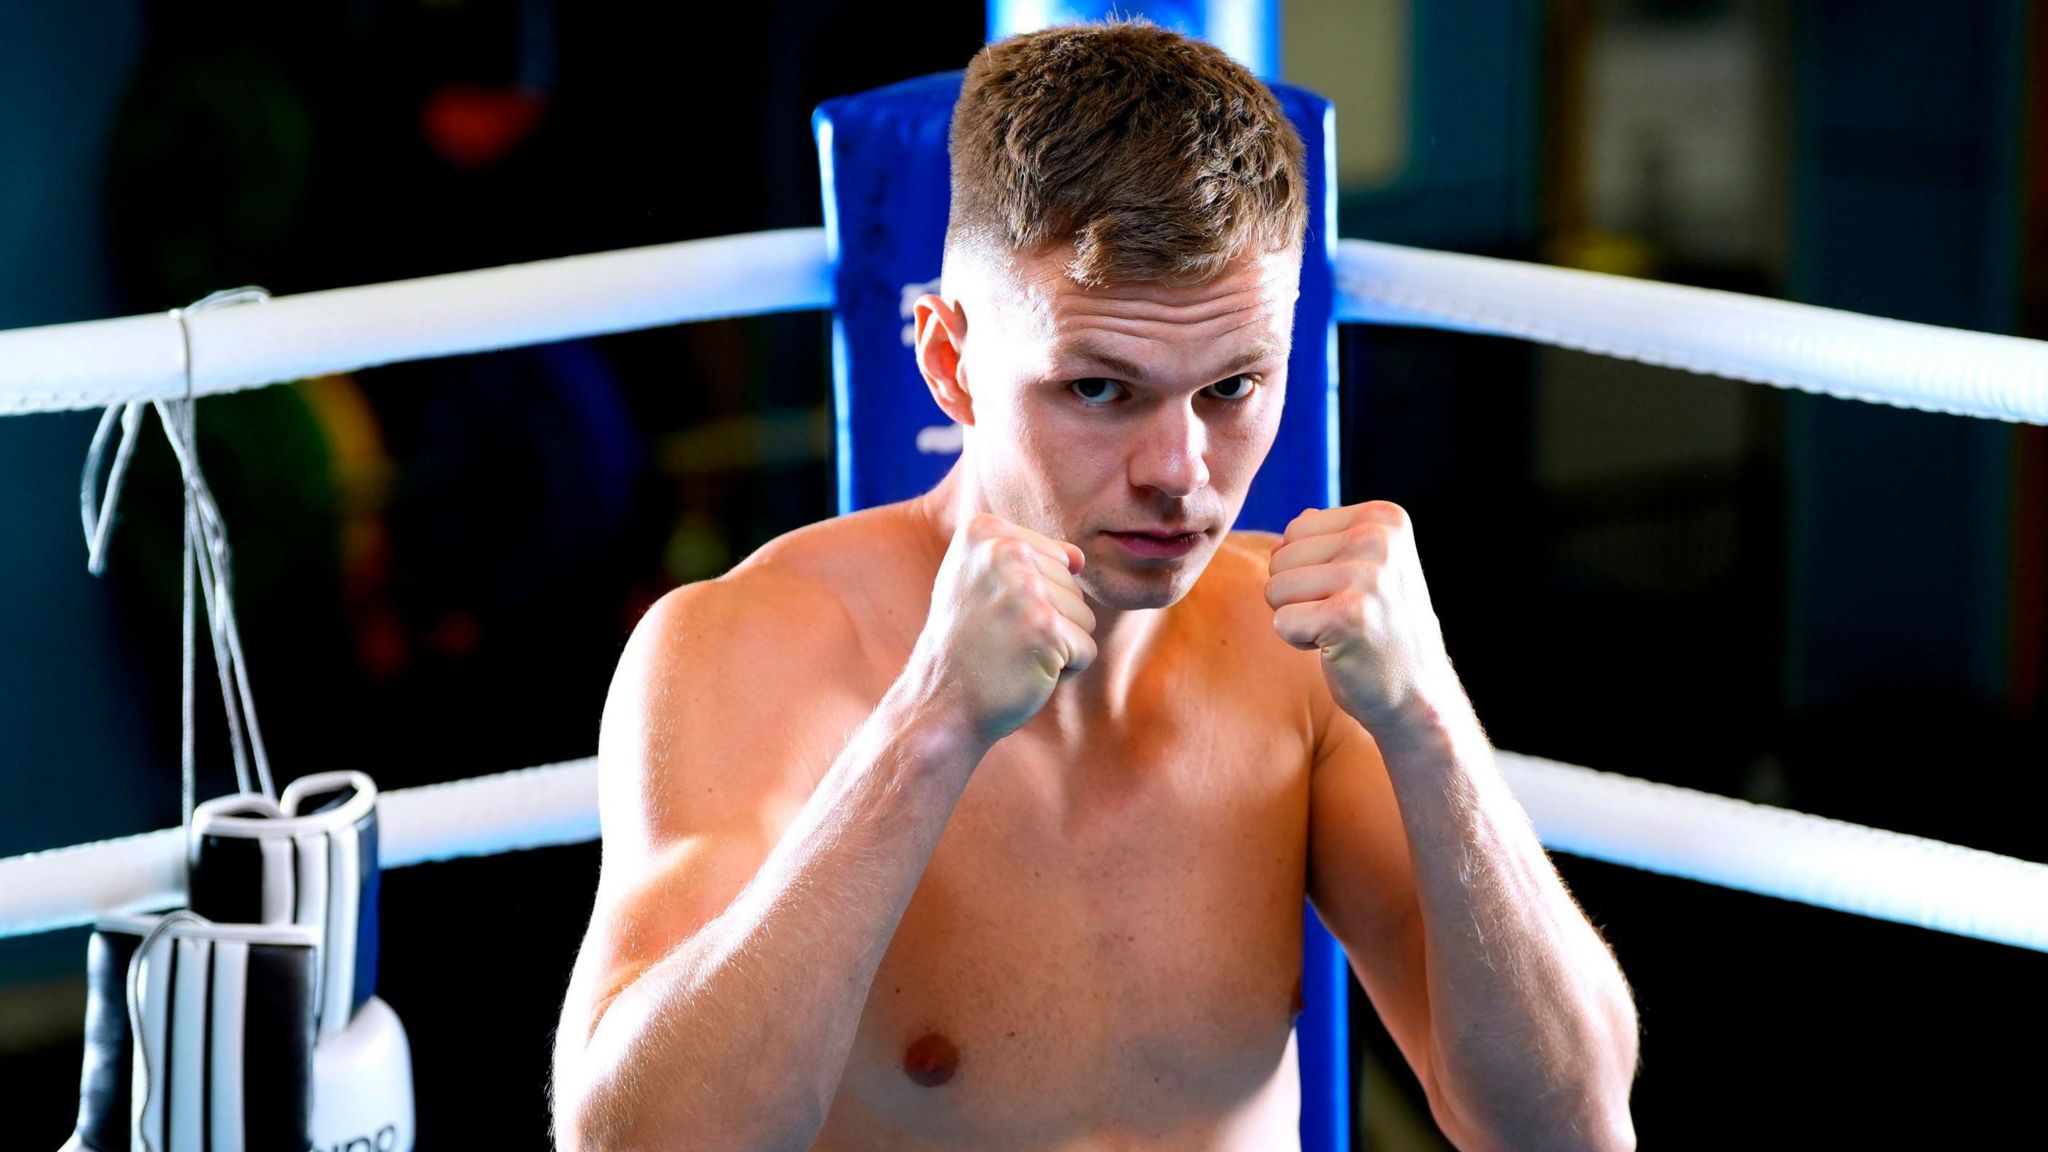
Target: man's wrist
column 936, row 731
column 1432, row 714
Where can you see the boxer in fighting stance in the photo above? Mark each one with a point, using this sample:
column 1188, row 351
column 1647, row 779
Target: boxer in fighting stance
column 984, row 820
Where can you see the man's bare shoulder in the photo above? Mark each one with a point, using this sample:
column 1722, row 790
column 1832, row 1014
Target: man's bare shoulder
column 712, row 669
column 809, row 586
column 837, row 552
column 755, row 603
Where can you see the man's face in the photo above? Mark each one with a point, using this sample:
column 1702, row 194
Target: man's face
column 1127, row 420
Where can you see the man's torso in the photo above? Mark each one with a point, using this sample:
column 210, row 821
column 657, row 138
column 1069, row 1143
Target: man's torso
column 1104, row 951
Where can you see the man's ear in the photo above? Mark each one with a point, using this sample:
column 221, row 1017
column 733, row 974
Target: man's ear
column 941, row 337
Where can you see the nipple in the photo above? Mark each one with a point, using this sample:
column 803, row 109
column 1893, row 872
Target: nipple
column 931, row 1060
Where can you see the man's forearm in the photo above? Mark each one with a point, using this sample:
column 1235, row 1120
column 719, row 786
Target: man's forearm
column 737, row 1039
column 1533, row 1031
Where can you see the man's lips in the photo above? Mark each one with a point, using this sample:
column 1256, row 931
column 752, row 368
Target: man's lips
column 1157, row 544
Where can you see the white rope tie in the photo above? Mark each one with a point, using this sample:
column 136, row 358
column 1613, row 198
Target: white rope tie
column 205, row 562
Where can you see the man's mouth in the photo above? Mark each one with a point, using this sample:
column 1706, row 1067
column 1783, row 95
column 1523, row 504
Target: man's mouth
column 1156, row 545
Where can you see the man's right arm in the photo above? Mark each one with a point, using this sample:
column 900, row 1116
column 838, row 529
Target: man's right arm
column 731, row 951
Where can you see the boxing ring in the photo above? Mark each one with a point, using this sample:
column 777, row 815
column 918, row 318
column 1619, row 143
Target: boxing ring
column 1602, row 816
column 1598, row 815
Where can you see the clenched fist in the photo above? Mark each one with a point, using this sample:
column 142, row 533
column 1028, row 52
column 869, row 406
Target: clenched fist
column 1348, row 581
column 1007, row 623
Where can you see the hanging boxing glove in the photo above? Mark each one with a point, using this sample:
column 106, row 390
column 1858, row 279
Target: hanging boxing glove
column 311, row 859
column 199, row 1037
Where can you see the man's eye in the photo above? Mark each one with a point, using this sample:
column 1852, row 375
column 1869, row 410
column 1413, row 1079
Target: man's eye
column 1096, row 390
column 1236, row 388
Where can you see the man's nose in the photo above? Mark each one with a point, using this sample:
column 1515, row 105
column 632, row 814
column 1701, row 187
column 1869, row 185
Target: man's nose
column 1171, row 455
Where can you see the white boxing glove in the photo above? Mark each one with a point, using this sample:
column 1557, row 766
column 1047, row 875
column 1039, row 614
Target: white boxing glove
column 362, row 1085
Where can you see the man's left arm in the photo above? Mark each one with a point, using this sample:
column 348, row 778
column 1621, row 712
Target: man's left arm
column 1501, row 994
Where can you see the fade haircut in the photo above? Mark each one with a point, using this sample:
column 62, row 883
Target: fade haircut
column 1159, row 157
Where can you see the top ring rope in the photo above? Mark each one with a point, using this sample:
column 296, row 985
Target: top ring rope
column 1702, row 330
column 98, row 363
column 102, row 362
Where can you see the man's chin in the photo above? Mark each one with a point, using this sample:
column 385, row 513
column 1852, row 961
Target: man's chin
column 1127, row 591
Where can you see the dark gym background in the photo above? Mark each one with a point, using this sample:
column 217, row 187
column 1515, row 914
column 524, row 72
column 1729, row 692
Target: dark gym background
column 1809, row 602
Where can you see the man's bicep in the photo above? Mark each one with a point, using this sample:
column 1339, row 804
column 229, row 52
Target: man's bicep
column 1362, row 882
column 641, row 918
column 694, row 787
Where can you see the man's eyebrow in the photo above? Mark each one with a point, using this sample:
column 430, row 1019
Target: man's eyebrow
column 1091, row 353
column 1088, row 352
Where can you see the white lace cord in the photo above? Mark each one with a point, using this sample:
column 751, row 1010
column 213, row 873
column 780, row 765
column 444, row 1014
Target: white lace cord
column 188, row 687
column 207, row 551
column 205, row 562
column 98, row 516
column 207, row 540
column 140, row 1044
column 97, row 512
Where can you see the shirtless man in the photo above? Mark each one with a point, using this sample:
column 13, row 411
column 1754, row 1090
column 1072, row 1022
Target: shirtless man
column 984, row 820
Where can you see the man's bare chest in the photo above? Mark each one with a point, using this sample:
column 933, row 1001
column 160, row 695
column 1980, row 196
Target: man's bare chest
column 1094, row 943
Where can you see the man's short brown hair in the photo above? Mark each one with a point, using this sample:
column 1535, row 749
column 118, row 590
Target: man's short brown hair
column 1158, row 156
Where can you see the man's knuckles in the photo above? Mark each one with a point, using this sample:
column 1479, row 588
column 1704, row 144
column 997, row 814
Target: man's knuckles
column 1361, row 540
column 1352, row 613
column 1314, row 522
column 1324, row 582
column 1036, row 613
column 1371, row 539
column 1007, row 551
column 1280, row 592
column 1017, row 587
column 987, row 526
column 1301, row 625
column 1390, row 513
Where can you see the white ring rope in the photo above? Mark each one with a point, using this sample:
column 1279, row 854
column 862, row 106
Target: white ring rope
column 530, row 808
column 102, row 362
column 1598, row 815
column 1823, row 350
column 1779, row 852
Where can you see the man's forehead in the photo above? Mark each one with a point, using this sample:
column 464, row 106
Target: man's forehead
column 1149, row 333
column 1035, row 292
